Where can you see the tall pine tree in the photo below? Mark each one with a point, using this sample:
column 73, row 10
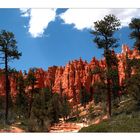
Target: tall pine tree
column 135, row 34
column 104, row 38
column 8, row 48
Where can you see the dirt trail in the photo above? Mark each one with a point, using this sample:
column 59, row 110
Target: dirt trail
column 12, row 129
column 60, row 127
column 15, row 129
column 66, row 127
column 73, row 127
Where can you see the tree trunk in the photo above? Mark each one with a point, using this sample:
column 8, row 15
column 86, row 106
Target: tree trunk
column 107, row 53
column 6, row 89
column 109, row 96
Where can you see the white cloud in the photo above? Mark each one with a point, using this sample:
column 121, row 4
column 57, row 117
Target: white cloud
column 84, row 18
column 80, row 18
column 38, row 20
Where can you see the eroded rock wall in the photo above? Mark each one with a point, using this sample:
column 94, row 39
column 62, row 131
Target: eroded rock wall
column 70, row 78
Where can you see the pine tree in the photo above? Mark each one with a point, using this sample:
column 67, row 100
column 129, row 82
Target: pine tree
column 54, row 108
column 8, row 48
column 39, row 112
column 100, row 92
column 65, row 107
column 131, row 84
column 42, row 111
column 104, row 38
column 21, row 97
column 135, row 34
column 84, row 96
column 30, row 82
column 114, row 77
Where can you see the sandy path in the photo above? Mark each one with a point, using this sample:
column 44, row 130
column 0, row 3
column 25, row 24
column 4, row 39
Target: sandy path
column 66, row 127
column 15, row 129
column 73, row 127
column 12, row 129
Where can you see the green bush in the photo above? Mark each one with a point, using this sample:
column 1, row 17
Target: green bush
column 74, row 119
column 121, row 123
column 33, row 126
column 102, row 127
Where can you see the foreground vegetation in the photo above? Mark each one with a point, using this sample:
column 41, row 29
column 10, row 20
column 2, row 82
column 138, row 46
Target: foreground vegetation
column 122, row 123
column 126, row 118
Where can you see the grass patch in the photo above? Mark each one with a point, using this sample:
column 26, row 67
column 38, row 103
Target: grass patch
column 122, row 123
column 126, row 118
column 4, row 127
column 74, row 119
column 96, row 128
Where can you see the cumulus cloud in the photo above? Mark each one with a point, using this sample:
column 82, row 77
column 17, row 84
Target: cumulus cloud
column 84, row 18
column 38, row 20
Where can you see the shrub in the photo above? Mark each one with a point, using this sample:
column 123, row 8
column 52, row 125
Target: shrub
column 102, row 127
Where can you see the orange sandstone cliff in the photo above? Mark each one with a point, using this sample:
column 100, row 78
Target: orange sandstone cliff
column 70, row 78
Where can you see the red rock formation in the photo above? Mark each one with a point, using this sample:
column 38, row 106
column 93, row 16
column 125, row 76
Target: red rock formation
column 73, row 76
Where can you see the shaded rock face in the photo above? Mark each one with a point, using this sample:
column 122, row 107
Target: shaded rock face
column 71, row 78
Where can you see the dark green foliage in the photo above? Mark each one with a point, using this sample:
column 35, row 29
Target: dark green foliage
column 54, row 108
column 73, row 119
column 103, row 127
column 135, row 34
column 113, row 75
column 99, row 71
column 47, row 94
column 31, row 79
column 121, row 123
column 103, row 32
column 100, row 92
column 20, row 83
column 115, row 86
column 135, row 64
column 21, row 100
column 39, row 113
column 96, row 70
column 30, row 82
column 131, row 64
column 46, row 110
column 1, row 102
column 84, row 96
column 40, row 118
column 65, row 110
column 39, row 106
column 127, row 119
column 8, row 47
column 21, row 104
column 132, row 84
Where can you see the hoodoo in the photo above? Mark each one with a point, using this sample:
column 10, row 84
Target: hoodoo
column 71, row 78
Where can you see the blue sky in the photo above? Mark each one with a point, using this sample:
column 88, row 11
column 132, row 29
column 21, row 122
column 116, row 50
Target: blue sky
column 55, row 36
